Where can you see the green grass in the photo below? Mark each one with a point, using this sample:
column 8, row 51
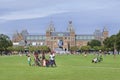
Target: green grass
column 69, row 67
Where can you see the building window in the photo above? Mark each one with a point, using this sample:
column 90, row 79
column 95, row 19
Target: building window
column 68, row 38
column 36, row 37
column 72, row 39
column 54, row 38
column 43, row 38
column 65, row 37
column 28, row 38
column 32, row 38
column 40, row 38
column 60, row 34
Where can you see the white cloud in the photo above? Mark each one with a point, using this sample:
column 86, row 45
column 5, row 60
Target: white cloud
column 28, row 9
column 29, row 14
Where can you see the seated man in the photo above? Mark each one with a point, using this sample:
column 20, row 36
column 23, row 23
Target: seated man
column 95, row 60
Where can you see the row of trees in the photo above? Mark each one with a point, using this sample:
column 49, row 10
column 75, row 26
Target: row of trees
column 113, row 42
column 6, row 46
column 92, row 45
column 110, row 43
column 29, row 48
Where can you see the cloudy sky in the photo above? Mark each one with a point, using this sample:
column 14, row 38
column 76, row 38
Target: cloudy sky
column 35, row 15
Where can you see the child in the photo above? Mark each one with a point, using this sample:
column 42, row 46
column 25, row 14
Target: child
column 29, row 60
column 47, row 63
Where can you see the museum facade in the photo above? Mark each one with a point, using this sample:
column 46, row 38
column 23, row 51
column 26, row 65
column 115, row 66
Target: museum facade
column 54, row 39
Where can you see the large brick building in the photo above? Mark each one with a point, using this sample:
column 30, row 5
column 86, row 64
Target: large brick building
column 54, row 39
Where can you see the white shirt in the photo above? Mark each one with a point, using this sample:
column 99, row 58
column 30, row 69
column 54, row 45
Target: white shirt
column 29, row 58
column 52, row 57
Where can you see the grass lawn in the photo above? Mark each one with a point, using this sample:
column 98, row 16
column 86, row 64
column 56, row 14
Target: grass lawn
column 69, row 67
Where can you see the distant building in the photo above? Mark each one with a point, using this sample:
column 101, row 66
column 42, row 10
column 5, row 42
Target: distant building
column 55, row 39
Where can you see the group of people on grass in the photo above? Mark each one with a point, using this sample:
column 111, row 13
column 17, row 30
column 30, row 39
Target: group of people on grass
column 98, row 58
column 42, row 61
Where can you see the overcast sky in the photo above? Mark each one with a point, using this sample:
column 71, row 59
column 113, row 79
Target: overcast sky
column 35, row 15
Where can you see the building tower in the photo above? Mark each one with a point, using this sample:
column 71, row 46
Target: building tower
column 49, row 30
column 24, row 33
column 105, row 33
column 98, row 34
column 17, row 37
column 71, row 30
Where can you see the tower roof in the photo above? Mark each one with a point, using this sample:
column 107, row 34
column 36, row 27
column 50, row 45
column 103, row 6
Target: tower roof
column 51, row 27
column 105, row 29
column 70, row 27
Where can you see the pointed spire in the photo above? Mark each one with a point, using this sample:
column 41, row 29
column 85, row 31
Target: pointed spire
column 51, row 27
column 105, row 29
column 70, row 22
column 70, row 27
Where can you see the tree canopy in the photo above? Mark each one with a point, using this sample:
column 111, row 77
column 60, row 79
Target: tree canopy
column 113, row 42
column 94, row 43
column 5, row 42
column 85, row 48
column 74, row 48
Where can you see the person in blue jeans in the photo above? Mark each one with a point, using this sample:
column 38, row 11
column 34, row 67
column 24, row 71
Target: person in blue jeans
column 52, row 59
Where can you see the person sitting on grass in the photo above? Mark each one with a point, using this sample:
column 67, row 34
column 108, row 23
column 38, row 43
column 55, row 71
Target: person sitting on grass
column 47, row 63
column 100, row 58
column 97, row 59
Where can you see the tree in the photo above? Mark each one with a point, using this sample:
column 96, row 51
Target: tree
column 73, row 49
column 110, row 42
column 5, row 42
column 94, row 43
column 44, row 48
column 96, row 48
column 117, row 41
column 85, row 48
column 39, row 48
